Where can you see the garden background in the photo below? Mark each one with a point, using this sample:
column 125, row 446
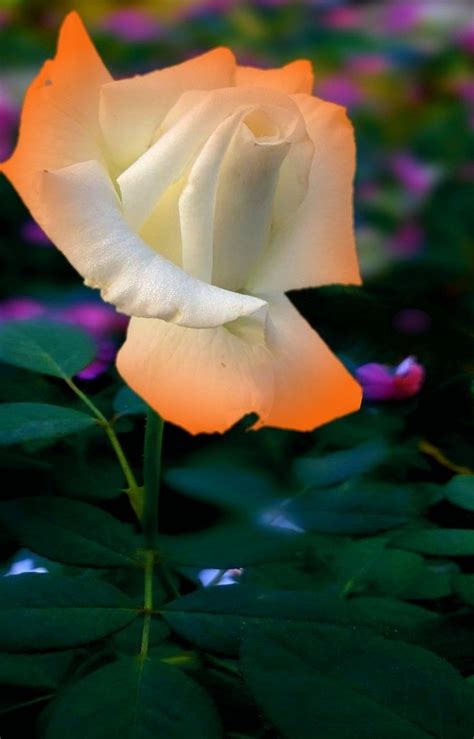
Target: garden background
column 383, row 499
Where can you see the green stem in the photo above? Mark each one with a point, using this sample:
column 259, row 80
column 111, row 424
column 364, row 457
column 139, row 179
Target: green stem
column 151, row 473
column 148, row 602
column 133, row 491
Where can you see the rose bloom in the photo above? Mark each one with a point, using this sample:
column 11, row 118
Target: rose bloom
column 193, row 197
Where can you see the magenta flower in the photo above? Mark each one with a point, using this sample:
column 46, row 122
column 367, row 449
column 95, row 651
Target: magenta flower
column 96, row 318
column 380, row 382
column 465, row 39
column 402, row 16
column 8, row 123
column 131, row 24
column 414, row 175
column 21, row 309
column 408, row 241
column 30, row 231
column 340, row 18
column 411, row 321
column 340, row 89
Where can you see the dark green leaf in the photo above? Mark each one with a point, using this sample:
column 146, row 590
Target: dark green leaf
column 233, row 546
column 362, row 508
column 133, row 699
column 34, row 670
column 341, row 683
column 213, row 618
column 128, row 403
column 460, row 491
column 54, row 612
column 20, row 422
column 47, row 347
column 342, row 465
column 224, row 484
column 464, row 587
column 438, row 542
column 69, row 531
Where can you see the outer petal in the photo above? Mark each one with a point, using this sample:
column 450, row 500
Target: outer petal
column 316, row 245
column 81, row 214
column 207, row 380
column 59, row 122
column 293, row 77
column 131, row 109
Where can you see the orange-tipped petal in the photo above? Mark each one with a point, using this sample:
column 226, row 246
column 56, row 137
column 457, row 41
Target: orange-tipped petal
column 294, row 77
column 206, row 380
column 316, row 245
column 59, row 122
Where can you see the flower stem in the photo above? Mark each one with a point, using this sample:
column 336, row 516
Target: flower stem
column 133, row 491
column 151, row 474
column 147, row 602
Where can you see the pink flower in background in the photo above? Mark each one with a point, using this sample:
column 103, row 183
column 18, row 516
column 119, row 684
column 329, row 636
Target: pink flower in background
column 340, row 89
column 380, row 382
column 30, row 231
column 98, row 319
column 4, row 18
column 21, row 309
column 411, row 321
column 408, row 241
column 368, row 64
column 414, row 175
column 402, row 16
column 8, row 123
column 341, row 18
column 131, row 24
column 465, row 38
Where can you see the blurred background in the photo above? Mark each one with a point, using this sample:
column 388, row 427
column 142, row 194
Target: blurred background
column 404, row 70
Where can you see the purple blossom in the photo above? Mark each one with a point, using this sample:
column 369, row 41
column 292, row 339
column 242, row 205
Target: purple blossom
column 131, row 24
column 343, row 17
column 32, row 232
column 380, row 382
column 340, row 89
column 21, row 309
column 402, row 16
column 411, row 321
column 414, row 175
column 8, row 123
column 465, row 39
column 408, row 241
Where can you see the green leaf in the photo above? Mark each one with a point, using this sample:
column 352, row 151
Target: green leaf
column 437, row 542
column 133, row 699
column 34, row 670
column 74, row 479
column 342, row 465
column 39, row 612
column 233, row 546
column 70, row 531
column 45, row 346
column 361, row 508
column 339, row 683
column 464, row 587
column 224, row 484
column 213, row 618
column 367, row 565
column 460, row 491
column 21, row 422
column 128, row 403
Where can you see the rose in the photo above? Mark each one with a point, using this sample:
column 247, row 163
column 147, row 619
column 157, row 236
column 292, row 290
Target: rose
column 194, row 197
